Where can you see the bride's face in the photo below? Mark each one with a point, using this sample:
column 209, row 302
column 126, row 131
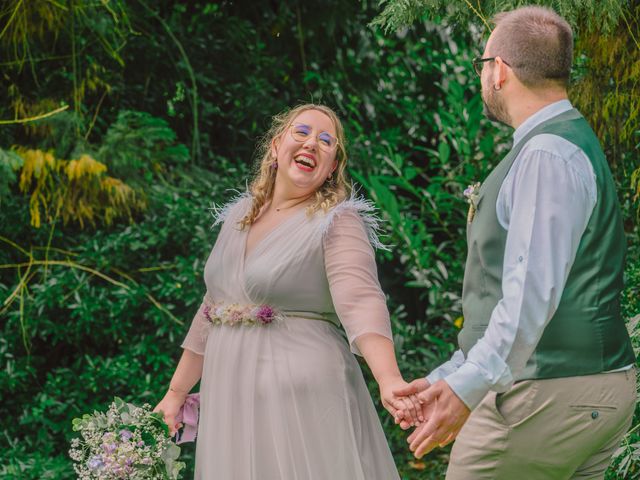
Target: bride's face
column 306, row 151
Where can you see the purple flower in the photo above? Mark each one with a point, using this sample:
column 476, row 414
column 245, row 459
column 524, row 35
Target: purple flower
column 125, row 435
column 207, row 312
column 265, row 314
column 95, row 463
column 109, row 447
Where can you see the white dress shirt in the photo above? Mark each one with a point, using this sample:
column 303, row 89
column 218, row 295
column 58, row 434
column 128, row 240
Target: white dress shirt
column 544, row 203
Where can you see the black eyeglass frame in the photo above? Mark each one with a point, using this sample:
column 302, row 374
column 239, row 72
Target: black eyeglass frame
column 478, row 63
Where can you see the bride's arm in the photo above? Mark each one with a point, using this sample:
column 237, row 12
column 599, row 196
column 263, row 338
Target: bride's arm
column 188, row 371
column 187, row 374
column 361, row 305
column 379, row 354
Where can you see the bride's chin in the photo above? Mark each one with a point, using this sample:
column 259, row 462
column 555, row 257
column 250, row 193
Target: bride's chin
column 306, row 188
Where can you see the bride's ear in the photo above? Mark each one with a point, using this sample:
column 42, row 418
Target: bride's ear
column 275, row 143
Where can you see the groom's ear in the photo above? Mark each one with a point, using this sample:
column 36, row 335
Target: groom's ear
column 499, row 73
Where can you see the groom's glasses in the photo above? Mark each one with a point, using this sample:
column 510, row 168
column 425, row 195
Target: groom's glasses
column 478, row 63
column 301, row 133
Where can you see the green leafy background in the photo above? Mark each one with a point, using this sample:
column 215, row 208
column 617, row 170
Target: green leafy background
column 172, row 96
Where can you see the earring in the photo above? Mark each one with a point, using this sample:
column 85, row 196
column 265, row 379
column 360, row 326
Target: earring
column 274, row 165
column 497, row 87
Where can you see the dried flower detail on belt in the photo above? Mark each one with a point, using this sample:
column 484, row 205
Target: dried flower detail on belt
column 239, row 314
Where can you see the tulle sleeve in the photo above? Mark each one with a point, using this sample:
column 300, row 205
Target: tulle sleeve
column 353, row 277
column 196, row 338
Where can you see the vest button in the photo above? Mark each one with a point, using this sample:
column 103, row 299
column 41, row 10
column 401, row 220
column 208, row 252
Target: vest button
column 595, row 414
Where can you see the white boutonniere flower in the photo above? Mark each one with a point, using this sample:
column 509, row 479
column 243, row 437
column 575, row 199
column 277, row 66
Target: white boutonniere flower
column 471, row 192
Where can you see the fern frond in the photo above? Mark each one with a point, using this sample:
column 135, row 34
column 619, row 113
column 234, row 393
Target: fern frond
column 592, row 15
column 402, row 13
column 138, row 142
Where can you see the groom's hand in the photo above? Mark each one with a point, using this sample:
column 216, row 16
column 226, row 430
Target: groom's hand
column 411, row 390
column 447, row 417
column 405, row 408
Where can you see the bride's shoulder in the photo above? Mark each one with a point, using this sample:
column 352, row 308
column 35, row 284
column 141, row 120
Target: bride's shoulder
column 355, row 209
column 233, row 209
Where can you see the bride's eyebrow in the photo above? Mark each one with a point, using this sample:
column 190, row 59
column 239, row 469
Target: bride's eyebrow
column 299, row 124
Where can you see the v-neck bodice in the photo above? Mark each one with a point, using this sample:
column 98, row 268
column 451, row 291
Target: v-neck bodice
column 284, row 269
column 265, row 237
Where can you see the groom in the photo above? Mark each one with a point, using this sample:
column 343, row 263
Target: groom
column 543, row 386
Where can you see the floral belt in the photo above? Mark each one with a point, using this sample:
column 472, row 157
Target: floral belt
column 239, row 314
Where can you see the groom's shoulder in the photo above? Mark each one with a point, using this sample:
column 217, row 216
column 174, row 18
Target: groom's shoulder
column 551, row 144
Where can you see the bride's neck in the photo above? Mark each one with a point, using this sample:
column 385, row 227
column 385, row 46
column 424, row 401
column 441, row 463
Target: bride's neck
column 283, row 200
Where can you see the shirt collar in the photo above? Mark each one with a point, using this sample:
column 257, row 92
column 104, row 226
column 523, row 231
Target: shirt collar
column 540, row 116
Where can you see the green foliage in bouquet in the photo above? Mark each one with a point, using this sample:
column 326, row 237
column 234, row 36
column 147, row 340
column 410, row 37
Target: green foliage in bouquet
column 125, row 442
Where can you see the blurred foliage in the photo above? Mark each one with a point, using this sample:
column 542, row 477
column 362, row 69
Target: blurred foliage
column 96, row 312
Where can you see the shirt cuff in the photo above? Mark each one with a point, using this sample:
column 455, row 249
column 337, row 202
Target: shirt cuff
column 468, row 384
column 434, row 376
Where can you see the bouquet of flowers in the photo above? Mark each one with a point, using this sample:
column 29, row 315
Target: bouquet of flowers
column 126, row 442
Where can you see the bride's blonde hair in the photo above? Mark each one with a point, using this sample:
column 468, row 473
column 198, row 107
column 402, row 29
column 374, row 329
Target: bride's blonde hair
column 332, row 191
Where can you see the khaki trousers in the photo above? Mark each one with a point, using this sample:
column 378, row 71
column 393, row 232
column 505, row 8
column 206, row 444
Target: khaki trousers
column 561, row 428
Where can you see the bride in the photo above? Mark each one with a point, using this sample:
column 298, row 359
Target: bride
column 282, row 395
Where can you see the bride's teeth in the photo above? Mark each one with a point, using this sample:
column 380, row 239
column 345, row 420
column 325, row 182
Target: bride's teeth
column 305, row 161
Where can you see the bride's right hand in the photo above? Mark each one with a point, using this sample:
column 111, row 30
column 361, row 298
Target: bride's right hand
column 170, row 407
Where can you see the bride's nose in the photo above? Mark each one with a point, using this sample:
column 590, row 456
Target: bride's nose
column 311, row 143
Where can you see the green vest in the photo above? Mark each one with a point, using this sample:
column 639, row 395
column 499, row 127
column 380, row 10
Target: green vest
column 587, row 334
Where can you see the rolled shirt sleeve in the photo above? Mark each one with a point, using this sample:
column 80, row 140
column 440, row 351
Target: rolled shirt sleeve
column 545, row 207
column 446, row 368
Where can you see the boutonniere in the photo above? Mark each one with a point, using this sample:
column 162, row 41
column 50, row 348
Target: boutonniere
column 471, row 192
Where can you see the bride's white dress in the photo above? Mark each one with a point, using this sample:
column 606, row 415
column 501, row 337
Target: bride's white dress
column 287, row 401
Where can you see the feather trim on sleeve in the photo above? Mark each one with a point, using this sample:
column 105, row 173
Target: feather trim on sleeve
column 367, row 212
column 221, row 212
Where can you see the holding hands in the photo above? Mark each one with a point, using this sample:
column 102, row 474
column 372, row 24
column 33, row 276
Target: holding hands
column 405, row 407
column 441, row 411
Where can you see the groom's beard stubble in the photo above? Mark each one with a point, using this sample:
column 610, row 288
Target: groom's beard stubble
column 494, row 107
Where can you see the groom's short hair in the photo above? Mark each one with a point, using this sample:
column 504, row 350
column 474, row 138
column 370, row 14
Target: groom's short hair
column 537, row 43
